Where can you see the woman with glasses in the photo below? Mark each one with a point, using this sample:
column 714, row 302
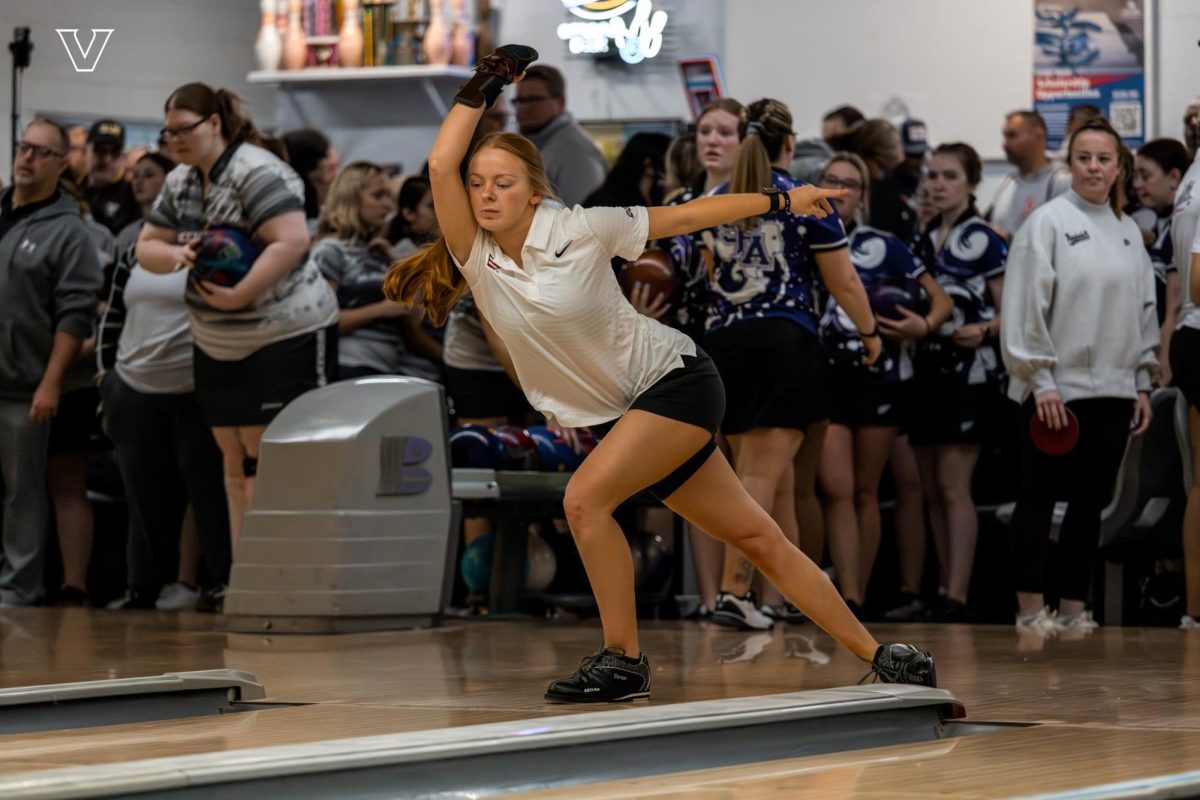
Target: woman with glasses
column 870, row 403
column 762, row 336
column 270, row 337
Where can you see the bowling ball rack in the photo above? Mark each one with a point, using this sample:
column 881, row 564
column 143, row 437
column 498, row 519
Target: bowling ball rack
column 514, row 499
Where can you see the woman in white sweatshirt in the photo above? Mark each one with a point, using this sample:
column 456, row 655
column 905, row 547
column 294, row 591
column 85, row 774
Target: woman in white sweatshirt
column 1079, row 332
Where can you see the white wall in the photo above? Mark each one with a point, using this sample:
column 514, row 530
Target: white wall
column 1178, row 63
column 156, row 46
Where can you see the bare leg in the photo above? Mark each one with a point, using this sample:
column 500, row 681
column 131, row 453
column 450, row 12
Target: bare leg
column 233, row 457
column 715, row 500
column 251, row 438
column 620, row 466
column 66, row 483
column 783, row 511
column 762, row 456
column 836, row 478
column 956, row 465
column 910, row 517
column 1191, row 522
column 871, row 448
column 809, row 518
column 927, row 466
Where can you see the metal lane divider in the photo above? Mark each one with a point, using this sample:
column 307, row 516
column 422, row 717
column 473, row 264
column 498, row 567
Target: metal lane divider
column 523, row 755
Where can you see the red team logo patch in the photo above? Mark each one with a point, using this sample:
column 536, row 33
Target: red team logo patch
column 491, row 263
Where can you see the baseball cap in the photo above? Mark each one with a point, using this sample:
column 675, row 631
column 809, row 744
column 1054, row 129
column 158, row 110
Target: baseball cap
column 915, row 137
column 107, row 131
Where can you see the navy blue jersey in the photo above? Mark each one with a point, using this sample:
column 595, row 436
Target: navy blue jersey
column 770, row 270
column 690, row 259
column 878, row 257
column 971, row 254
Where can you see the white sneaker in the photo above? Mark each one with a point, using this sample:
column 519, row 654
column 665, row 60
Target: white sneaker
column 1082, row 621
column 1189, row 623
column 740, row 612
column 1042, row 623
column 177, row 597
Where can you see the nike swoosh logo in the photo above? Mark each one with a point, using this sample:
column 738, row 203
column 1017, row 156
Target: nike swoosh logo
column 558, row 253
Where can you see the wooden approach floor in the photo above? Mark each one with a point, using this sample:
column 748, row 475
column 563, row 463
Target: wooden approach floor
column 1119, row 705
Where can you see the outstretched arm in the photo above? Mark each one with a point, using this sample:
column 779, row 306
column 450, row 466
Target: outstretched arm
column 708, row 212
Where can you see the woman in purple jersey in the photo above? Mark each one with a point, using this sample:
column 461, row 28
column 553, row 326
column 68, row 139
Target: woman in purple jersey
column 871, row 403
column 762, row 335
column 541, row 277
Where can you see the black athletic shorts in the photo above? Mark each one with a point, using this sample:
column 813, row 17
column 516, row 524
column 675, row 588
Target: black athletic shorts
column 944, row 411
column 693, row 394
column 1185, row 364
column 775, row 372
column 76, row 426
column 252, row 390
column 858, row 403
column 481, row 393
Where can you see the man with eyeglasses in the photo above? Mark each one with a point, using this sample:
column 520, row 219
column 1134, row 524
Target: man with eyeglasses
column 105, row 189
column 50, row 279
column 574, row 165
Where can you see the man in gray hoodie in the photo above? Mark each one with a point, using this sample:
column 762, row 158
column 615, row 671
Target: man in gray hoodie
column 50, row 279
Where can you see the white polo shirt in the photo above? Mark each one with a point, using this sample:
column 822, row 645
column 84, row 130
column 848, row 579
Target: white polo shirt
column 581, row 351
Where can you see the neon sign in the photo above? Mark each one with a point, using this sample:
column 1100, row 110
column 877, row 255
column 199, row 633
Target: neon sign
column 636, row 39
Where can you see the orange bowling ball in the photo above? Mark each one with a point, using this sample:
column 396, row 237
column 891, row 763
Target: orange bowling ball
column 651, row 267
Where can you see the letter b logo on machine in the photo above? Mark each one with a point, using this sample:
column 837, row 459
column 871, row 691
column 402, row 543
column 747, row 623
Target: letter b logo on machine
column 400, row 472
column 84, row 59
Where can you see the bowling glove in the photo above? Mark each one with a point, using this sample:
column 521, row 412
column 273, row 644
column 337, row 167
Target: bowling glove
column 493, row 73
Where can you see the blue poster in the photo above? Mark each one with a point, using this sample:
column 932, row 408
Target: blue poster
column 1090, row 52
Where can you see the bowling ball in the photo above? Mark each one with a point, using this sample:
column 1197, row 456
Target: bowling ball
column 225, row 255
column 651, row 267
column 541, row 565
column 889, row 295
column 521, row 451
column 588, row 441
column 476, row 447
column 476, row 563
column 554, row 454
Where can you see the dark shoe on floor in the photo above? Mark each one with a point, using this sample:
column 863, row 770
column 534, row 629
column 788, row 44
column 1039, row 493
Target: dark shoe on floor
column 71, row 597
column 948, row 610
column 212, row 600
column 740, row 612
column 903, row 663
column 132, row 599
column 911, row 610
column 605, row 677
column 785, row 612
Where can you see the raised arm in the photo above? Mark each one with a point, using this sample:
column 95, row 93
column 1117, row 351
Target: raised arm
column 709, row 212
column 450, row 201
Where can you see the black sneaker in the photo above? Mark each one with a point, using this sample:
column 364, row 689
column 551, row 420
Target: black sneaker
column 903, row 663
column 785, row 612
column 605, row 677
column 912, row 609
column 71, row 597
column 740, row 612
column 949, row 610
column 212, row 600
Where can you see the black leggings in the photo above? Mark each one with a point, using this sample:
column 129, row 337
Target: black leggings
column 1085, row 478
